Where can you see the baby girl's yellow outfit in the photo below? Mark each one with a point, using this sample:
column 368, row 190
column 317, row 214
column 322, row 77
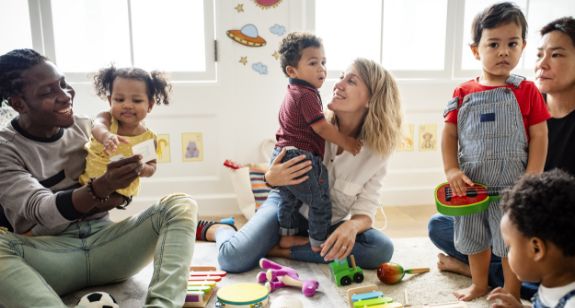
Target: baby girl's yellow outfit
column 97, row 159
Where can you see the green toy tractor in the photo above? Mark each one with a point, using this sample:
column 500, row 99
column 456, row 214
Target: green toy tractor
column 343, row 273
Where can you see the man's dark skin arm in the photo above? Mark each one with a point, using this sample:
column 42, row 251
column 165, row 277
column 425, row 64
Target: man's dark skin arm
column 119, row 174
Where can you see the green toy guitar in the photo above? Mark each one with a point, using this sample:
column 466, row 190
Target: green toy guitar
column 476, row 199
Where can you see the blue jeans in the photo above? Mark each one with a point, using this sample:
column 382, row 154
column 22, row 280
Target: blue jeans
column 240, row 251
column 36, row 270
column 440, row 228
column 314, row 192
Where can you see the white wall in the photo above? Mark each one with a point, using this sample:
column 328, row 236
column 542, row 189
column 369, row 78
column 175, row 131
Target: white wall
column 238, row 110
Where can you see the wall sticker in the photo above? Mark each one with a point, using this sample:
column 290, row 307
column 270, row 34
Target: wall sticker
column 248, row 36
column 192, row 147
column 428, row 137
column 163, row 148
column 266, row 4
column 261, row 68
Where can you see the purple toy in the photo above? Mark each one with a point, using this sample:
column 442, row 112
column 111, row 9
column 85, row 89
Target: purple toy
column 279, row 276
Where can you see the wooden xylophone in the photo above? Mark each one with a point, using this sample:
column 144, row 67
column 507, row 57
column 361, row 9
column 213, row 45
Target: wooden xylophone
column 201, row 285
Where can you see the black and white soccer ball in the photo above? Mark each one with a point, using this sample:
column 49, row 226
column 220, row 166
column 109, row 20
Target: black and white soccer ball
column 97, row 300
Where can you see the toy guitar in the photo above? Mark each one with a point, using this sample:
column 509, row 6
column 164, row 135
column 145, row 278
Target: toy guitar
column 476, row 199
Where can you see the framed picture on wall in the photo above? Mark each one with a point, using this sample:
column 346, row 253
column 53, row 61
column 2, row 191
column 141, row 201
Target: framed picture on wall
column 192, row 147
column 163, row 148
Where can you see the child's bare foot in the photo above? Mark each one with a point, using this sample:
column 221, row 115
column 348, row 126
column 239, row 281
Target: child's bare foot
column 470, row 293
column 447, row 263
column 289, row 241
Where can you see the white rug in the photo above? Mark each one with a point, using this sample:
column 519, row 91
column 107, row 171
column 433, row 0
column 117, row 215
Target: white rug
column 429, row 288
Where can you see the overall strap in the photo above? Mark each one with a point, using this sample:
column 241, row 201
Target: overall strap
column 451, row 105
column 565, row 298
column 515, row 80
column 561, row 304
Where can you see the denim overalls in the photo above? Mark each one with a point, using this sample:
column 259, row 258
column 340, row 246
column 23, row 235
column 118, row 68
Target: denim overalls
column 562, row 301
column 492, row 151
column 314, row 192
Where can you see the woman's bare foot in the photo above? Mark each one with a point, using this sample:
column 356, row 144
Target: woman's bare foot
column 470, row 293
column 447, row 263
column 277, row 251
column 290, row 241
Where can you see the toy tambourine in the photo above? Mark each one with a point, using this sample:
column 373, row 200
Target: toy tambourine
column 476, row 199
column 243, row 295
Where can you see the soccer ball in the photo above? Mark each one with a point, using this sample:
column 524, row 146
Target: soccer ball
column 97, row 300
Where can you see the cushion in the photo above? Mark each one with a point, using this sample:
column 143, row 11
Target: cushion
column 259, row 187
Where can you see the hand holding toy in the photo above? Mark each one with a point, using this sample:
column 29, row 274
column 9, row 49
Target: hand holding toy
column 392, row 273
column 476, row 199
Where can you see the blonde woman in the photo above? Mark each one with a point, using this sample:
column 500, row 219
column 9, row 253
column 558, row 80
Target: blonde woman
column 366, row 106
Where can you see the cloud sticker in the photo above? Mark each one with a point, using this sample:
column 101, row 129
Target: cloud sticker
column 261, row 68
column 278, row 30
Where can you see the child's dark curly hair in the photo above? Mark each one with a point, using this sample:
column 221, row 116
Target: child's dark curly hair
column 157, row 85
column 12, row 64
column 498, row 14
column 292, row 45
column 544, row 206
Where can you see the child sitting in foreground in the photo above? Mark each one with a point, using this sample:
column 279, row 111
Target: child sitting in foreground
column 538, row 229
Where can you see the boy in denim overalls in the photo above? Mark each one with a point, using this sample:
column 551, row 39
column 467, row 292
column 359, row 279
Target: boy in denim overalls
column 495, row 130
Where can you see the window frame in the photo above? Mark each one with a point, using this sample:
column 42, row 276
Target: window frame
column 43, row 41
column 454, row 51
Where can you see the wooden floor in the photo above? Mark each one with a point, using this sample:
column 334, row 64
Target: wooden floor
column 402, row 221
column 406, row 221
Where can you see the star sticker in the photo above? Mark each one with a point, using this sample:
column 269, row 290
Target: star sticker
column 276, row 55
column 239, row 8
column 243, row 60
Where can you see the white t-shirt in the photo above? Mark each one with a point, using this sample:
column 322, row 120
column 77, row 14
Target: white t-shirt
column 355, row 182
column 551, row 296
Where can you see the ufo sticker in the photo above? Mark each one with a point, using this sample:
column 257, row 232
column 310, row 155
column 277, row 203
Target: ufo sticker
column 247, row 36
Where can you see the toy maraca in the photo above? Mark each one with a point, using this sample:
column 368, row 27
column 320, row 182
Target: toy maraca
column 392, row 273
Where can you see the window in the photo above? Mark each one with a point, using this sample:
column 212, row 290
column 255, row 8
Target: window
column 382, row 30
column 82, row 36
column 418, row 38
column 17, row 19
column 424, row 51
column 344, row 38
column 540, row 13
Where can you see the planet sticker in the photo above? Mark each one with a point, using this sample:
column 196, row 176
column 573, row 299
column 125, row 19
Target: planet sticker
column 248, row 36
column 265, row 4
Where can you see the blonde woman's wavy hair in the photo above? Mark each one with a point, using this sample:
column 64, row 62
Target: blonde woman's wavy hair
column 381, row 130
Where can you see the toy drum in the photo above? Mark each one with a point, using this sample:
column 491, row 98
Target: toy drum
column 243, row 295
